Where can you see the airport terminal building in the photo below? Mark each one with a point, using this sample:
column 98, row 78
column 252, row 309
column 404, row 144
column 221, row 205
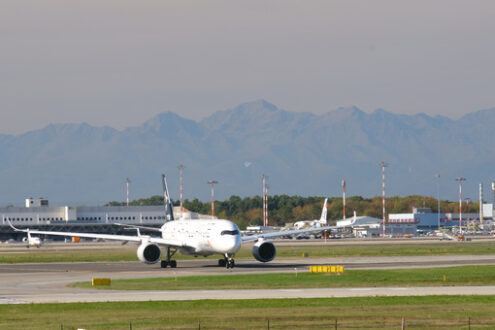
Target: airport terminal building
column 426, row 220
column 37, row 214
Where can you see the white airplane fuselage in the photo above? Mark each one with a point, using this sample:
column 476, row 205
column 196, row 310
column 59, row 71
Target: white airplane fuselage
column 204, row 237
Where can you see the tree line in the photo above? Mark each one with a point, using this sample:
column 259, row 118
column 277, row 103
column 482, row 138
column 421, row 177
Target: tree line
column 284, row 209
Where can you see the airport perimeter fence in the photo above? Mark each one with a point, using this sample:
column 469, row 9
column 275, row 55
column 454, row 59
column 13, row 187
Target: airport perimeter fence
column 346, row 323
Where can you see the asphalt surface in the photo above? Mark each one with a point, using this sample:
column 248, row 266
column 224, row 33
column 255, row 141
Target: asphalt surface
column 46, row 282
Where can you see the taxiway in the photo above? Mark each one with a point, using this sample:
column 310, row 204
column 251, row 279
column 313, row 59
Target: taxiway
column 46, row 282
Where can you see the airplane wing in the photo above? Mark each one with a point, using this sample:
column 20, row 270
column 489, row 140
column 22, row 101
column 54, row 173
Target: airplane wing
column 124, row 238
column 287, row 233
column 137, row 227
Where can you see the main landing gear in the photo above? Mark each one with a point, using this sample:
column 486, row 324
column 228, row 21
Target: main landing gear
column 169, row 262
column 227, row 261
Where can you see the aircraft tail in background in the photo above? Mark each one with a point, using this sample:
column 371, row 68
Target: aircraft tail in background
column 323, row 218
column 169, row 208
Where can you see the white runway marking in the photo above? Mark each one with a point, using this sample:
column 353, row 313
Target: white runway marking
column 8, row 301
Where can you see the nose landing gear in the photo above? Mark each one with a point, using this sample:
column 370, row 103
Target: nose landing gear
column 228, row 261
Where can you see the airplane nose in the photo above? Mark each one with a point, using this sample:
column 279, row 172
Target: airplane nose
column 235, row 244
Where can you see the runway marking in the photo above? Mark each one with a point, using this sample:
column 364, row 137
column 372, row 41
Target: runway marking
column 292, row 290
column 362, row 289
column 8, row 301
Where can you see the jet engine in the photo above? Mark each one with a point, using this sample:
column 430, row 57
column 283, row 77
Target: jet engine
column 149, row 253
column 264, row 251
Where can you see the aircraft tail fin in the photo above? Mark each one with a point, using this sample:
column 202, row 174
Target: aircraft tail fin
column 323, row 218
column 169, row 208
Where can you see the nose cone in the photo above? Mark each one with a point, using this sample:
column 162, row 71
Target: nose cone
column 235, row 244
column 231, row 244
column 229, row 240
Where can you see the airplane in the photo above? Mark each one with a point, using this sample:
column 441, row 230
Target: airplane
column 314, row 223
column 31, row 241
column 199, row 237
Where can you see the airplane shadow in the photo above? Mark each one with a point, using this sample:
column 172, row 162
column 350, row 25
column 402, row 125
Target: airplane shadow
column 263, row 266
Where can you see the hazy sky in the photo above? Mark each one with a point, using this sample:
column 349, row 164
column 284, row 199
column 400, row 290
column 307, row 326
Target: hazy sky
column 120, row 62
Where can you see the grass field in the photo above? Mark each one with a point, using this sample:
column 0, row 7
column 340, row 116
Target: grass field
column 128, row 252
column 430, row 312
column 449, row 276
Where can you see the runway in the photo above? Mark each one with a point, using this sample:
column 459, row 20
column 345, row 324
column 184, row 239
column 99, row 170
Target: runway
column 43, row 283
column 109, row 295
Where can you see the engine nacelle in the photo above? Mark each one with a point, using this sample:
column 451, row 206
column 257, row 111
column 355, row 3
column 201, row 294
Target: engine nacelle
column 264, row 251
column 149, row 253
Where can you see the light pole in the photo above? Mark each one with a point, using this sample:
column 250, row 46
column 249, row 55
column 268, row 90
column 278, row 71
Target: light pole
column 181, row 168
column 212, row 183
column 265, row 200
column 438, row 198
column 383, row 165
column 343, row 199
column 460, row 179
column 127, row 181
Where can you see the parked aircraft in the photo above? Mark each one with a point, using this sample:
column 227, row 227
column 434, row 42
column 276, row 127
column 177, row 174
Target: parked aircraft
column 31, row 241
column 201, row 237
column 314, row 223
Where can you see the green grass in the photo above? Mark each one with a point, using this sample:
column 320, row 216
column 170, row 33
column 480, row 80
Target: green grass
column 450, row 276
column 427, row 312
column 67, row 256
column 128, row 253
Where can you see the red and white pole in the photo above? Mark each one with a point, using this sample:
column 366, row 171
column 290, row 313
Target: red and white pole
column 343, row 197
column 212, row 182
column 181, row 167
column 265, row 200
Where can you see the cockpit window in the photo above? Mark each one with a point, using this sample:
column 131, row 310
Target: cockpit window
column 230, row 232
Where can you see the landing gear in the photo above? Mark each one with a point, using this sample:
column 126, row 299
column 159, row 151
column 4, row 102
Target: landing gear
column 169, row 262
column 227, row 261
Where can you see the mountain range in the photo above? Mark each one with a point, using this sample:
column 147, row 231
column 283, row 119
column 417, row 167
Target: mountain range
column 302, row 153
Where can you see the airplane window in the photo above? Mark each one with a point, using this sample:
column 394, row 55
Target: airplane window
column 230, row 232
